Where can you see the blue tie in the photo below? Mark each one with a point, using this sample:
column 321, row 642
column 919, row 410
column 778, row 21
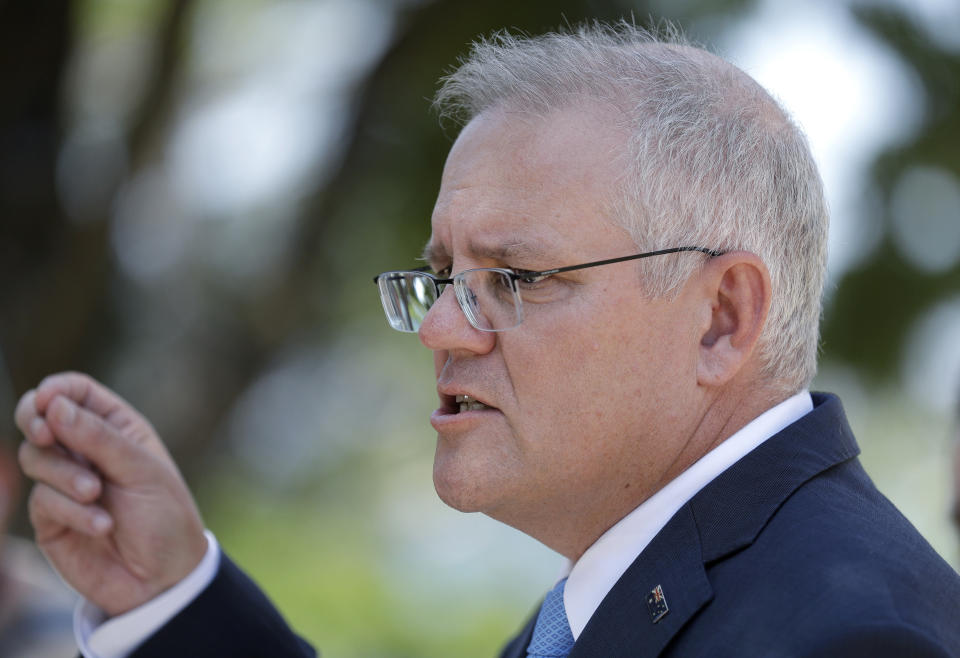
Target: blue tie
column 551, row 634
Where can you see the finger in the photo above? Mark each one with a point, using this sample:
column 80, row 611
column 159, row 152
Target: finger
column 115, row 455
column 26, row 411
column 30, row 422
column 57, row 470
column 51, row 511
column 81, row 389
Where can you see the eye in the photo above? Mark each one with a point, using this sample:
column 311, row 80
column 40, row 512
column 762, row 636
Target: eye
column 541, row 287
column 529, row 278
column 442, row 272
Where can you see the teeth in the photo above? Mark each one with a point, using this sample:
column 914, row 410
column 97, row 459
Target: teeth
column 468, row 403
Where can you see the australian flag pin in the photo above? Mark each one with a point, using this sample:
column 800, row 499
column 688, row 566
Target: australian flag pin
column 657, row 604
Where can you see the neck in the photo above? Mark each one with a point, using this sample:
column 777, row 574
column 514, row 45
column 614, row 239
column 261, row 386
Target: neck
column 723, row 415
column 580, row 521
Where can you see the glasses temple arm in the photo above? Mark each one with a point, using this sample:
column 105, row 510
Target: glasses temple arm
column 609, row 261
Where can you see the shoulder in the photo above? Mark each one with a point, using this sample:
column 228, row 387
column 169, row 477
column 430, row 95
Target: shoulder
column 838, row 563
column 877, row 640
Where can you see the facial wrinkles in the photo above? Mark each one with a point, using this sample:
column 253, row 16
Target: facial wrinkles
column 508, row 251
column 513, row 391
column 475, row 219
column 474, row 225
column 493, row 374
column 487, row 375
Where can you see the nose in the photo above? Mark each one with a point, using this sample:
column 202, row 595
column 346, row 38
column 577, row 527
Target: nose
column 445, row 327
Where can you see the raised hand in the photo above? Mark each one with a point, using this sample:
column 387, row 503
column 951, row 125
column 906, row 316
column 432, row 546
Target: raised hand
column 110, row 510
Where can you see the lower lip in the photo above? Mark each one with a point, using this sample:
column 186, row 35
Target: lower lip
column 442, row 420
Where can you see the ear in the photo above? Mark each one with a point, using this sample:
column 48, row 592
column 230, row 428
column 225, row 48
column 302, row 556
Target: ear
column 737, row 289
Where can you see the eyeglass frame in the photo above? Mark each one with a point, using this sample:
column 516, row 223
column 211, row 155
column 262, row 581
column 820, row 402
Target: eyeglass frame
column 527, row 277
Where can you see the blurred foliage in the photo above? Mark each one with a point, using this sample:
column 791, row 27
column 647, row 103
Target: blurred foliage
column 876, row 304
column 341, row 596
column 184, row 348
column 187, row 347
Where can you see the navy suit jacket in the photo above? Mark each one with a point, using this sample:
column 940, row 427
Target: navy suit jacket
column 790, row 552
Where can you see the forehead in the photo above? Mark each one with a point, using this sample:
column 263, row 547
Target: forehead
column 516, row 186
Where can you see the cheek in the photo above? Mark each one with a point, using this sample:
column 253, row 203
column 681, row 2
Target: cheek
column 570, row 387
column 601, row 375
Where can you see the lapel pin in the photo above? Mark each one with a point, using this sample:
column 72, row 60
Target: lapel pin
column 657, row 604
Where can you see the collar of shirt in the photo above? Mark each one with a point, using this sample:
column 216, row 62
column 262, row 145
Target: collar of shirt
column 600, row 567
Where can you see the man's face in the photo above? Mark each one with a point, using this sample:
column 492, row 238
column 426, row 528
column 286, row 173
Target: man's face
column 586, row 399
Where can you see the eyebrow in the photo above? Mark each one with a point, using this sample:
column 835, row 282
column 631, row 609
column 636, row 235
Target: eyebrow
column 493, row 251
column 432, row 253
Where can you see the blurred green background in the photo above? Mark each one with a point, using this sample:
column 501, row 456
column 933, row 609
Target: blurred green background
column 195, row 194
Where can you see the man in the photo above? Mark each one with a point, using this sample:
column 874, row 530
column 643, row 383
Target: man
column 627, row 256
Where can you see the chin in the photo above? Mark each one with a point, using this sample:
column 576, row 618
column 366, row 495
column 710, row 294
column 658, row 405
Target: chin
column 457, row 490
column 465, row 484
column 457, row 501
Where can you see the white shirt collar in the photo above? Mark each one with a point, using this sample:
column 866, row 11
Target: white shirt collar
column 600, row 567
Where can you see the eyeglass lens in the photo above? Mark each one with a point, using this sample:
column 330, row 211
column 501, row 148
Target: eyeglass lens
column 406, row 298
column 487, row 298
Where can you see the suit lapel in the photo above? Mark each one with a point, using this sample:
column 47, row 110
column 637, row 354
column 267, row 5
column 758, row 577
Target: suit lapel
column 672, row 567
column 723, row 517
column 734, row 508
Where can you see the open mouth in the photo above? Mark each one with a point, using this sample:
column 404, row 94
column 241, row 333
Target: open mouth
column 460, row 412
column 459, row 403
column 467, row 403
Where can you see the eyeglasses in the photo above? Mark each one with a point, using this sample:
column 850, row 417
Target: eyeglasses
column 490, row 297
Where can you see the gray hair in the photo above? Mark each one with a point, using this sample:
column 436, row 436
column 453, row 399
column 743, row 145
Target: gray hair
column 711, row 160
